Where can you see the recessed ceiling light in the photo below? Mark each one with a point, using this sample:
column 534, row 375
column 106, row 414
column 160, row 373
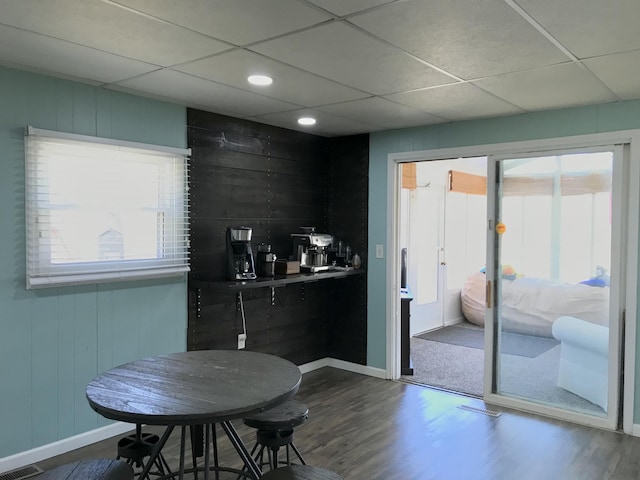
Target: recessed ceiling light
column 307, row 121
column 261, row 80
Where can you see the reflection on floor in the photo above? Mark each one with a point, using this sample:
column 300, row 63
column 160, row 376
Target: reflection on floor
column 366, row 428
column 461, row 369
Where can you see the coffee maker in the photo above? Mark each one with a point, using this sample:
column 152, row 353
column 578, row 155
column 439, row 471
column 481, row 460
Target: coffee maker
column 240, row 264
column 311, row 250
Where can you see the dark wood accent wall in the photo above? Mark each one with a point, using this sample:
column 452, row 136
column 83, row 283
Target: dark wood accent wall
column 348, row 198
column 275, row 180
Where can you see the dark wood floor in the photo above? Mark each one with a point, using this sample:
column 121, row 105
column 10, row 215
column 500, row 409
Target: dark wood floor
column 366, row 428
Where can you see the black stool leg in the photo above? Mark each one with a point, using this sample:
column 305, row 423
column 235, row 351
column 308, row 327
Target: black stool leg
column 215, row 450
column 274, row 458
column 196, row 446
column 298, row 454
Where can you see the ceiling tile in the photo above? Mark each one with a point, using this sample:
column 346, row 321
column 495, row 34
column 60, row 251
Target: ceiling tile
column 589, row 28
column 467, row 39
column 235, row 21
column 69, row 60
column 346, row 7
column 461, row 101
column 290, row 84
column 200, row 93
column 382, row 112
column 567, row 85
column 327, row 125
column 346, row 55
column 619, row 72
column 110, row 28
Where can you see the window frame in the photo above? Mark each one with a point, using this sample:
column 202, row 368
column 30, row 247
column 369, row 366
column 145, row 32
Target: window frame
column 42, row 271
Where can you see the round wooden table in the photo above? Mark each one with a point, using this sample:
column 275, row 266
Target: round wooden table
column 205, row 387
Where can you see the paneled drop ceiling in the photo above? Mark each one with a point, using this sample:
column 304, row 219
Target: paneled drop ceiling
column 355, row 65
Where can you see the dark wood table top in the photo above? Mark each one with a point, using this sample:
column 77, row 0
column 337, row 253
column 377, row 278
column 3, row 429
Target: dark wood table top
column 190, row 388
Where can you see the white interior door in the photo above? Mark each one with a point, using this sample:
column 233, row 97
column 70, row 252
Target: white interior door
column 426, row 257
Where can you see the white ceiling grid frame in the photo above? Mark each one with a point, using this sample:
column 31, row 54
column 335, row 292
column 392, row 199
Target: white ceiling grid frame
column 558, row 86
column 383, row 112
column 589, row 28
column 221, row 19
column 323, row 54
column 457, row 102
column 68, row 60
column 341, row 52
column 290, row 84
column 169, row 84
column 109, row 28
column 467, row 39
column 343, row 8
column 619, row 72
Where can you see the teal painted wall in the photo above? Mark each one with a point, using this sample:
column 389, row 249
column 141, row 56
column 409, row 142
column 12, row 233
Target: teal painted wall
column 558, row 123
column 54, row 341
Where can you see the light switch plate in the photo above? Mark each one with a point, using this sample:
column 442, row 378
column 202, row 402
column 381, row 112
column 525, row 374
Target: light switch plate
column 242, row 340
column 379, row 251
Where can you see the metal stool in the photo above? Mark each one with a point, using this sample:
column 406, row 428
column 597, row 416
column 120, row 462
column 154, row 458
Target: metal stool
column 275, row 430
column 134, row 448
column 98, row 469
column 301, row 472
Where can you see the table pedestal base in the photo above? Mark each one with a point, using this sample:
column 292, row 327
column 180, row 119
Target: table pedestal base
column 251, row 469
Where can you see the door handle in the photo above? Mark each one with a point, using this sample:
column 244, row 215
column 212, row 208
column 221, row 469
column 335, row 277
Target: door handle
column 488, row 294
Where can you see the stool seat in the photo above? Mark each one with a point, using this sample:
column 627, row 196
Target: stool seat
column 283, row 417
column 275, row 430
column 97, row 469
column 301, row 472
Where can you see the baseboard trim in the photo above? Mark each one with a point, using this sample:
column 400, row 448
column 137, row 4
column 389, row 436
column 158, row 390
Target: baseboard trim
column 315, row 365
column 342, row 365
column 63, row 446
column 82, row 440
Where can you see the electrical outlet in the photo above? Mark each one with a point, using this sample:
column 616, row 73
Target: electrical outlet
column 379, row 251
column 242, row 339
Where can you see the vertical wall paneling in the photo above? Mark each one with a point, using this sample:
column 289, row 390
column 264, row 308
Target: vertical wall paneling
column 531, row 126
column 55, row 340
column 274, row 180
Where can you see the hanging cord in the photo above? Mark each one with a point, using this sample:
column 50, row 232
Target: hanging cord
column 244, row 321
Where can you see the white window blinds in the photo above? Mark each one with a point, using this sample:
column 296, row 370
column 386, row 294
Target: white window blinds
column 100, row 210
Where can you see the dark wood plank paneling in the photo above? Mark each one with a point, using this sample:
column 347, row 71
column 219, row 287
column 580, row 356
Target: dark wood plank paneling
column 276, row 180
column 348, row 199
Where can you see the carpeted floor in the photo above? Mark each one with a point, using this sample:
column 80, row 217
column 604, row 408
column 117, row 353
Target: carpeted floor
column 473, row 336
column 461, row 369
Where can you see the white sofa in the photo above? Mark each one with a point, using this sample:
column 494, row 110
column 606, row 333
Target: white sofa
column 584, row 358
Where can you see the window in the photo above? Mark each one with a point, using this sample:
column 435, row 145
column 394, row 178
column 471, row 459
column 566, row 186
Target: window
column 101, row 210
column 559, row 207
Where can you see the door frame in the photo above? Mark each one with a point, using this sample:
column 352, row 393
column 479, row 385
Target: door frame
column 631, row 137
column 619, row 189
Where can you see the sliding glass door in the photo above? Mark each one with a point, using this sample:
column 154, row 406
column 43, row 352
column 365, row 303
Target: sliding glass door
column 555, row 260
